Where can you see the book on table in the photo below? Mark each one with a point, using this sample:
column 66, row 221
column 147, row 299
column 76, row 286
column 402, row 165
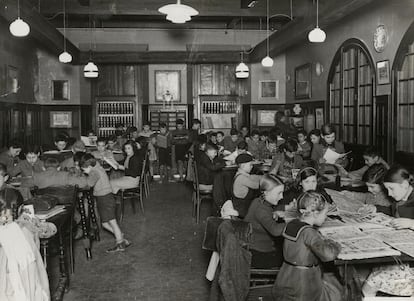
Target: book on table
column 44, row 215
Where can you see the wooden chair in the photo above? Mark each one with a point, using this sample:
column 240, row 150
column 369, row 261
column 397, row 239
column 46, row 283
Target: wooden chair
column 198, row 194
column 147, row 176
column 67, row 195
column 134, row 193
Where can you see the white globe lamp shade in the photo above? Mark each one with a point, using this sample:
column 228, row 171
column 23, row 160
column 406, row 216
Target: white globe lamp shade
column 178, row 18
column 65, row 57
column 90, row 70
column 267, row 62
column 242, row 70
column 19, row 28
column 178, row 13
column 317, row 35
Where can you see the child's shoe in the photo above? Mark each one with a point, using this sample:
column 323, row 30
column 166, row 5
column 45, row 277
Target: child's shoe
column 117, row 248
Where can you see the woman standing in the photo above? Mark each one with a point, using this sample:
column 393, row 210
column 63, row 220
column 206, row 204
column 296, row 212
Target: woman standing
column 132, row 167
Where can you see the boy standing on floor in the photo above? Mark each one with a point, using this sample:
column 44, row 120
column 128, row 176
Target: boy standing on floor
column 105, row 200
column 164, row 151
column 180, row 140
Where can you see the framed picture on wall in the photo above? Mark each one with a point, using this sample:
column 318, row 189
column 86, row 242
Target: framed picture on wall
column 303, row 81
column 167, row 86
column 383, row 72
column 60, row 119
column 268, row 89
column 266, row 117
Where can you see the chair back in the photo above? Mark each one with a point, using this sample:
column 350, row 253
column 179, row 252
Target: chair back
column 196, row 184
column 66, row 195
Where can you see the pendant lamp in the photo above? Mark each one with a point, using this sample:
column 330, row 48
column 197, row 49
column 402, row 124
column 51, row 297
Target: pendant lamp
column 242, row 70
column 18, row 27
column 267, row 61
column 65, row 57
column 90, row 70
column 178, row 13
column 317, row 35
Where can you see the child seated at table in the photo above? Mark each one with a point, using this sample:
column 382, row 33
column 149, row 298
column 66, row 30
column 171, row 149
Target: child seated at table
column 10, row 157
column 61, row 143
column 328, row 134
column 287, row 161
column 146, row 131
column 7, row 191
column 231, row 142
column 256, row 147
column 32, row 164
column 266, row 247
column 373, row 178
column 207, row 166
column 304, row 249
column 220, row 140
column 245, row 185
column 132, row 167
column 315, row 136
column 306, row 180
column 105, row 200
column 305, row 148
column 69, row 163
column 397, row 280
column 103, row 154
column 53, row 177
column 213, row 137
column 371, row 156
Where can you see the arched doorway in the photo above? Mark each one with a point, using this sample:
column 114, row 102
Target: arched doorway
column 351, row 83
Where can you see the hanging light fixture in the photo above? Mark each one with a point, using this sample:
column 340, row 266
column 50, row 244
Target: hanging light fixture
column 90, row 70
column 178, row 13
column 317, row 35
column 267, row 61
column 242, row 70
column 65, row 57
column 18, row 27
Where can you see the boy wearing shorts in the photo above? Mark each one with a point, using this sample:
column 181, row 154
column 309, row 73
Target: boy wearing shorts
column 105, row 200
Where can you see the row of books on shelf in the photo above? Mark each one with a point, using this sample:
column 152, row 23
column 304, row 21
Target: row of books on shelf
column 105, row 121
column 216, row 107
column 115, row 108
column 106, row 132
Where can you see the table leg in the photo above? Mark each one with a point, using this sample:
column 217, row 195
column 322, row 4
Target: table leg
column 86, row 239
column 43, row 248
column 63, row 279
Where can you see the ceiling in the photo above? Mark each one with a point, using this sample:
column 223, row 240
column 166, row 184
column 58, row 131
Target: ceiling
column 218, row 14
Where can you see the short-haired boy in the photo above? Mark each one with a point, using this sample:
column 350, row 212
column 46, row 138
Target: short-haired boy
column 105, row 200
column 371, row 156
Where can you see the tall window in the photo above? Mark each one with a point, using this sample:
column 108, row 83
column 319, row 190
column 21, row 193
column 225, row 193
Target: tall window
column 351, row 82
column 405, row 104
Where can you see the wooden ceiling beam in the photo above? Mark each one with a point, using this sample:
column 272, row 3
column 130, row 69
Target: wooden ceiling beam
column 297, row 31
column 40, row 30
column 163, row 57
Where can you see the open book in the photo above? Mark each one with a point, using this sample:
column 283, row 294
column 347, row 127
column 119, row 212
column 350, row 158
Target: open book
column 332, row 156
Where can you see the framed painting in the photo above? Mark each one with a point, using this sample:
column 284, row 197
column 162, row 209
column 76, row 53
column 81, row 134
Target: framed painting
column 268, row 89
column 303, row 81
column 167, row 86
column 266, row 117
column 383, row 72
column 60, row 119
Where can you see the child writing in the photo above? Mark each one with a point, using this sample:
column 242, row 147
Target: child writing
column 105, row 200
column 395, row 279
column 301, row 277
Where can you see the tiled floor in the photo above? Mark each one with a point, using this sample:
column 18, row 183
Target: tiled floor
column 165, row 262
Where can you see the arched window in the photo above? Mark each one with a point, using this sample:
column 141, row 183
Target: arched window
column 405, row 102
column 351, row 89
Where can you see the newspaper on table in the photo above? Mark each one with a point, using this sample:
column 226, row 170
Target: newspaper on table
column 355, row 243
column 402, row 240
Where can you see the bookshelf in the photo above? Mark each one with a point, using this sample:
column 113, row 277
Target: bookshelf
column 168, row 116
column 219, row 112
column 111, row 112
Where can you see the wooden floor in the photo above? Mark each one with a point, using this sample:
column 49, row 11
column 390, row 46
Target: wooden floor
column 165, row 262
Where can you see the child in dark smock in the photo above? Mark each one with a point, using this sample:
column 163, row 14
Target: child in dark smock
column 301, row 278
